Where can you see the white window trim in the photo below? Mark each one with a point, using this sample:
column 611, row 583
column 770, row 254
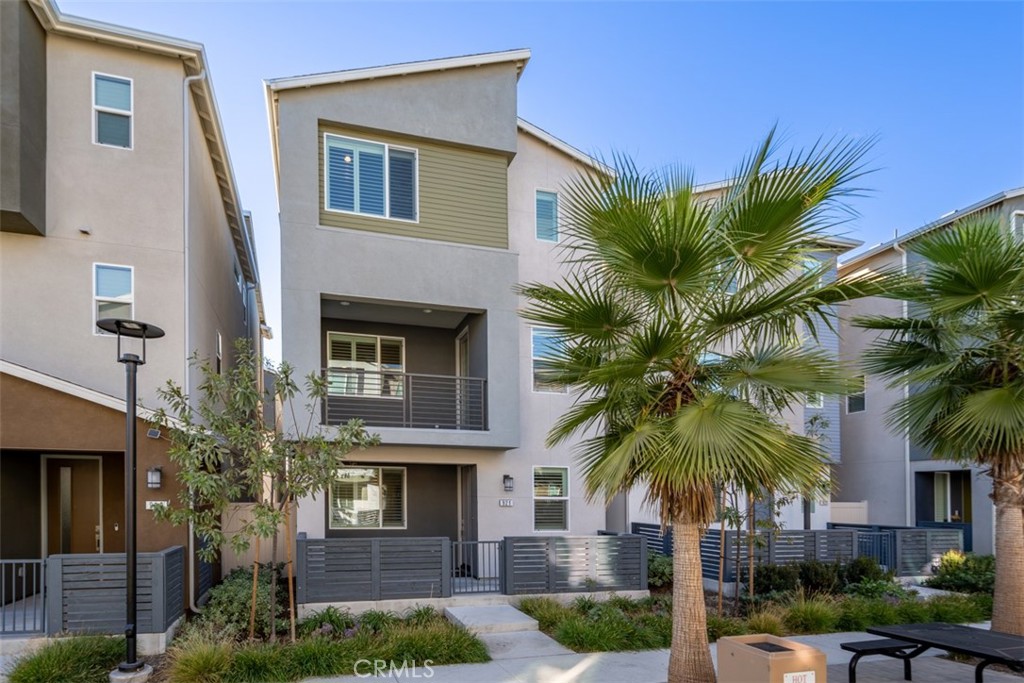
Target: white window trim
column 533, row 388
column 387, row 179
column 568, row 502
column 558, row 226
column 379, row 527
column 378, row 338
column 110, row 110
column 96, row 332
column 1016, row 215
column 863, row 392
column 818, row 405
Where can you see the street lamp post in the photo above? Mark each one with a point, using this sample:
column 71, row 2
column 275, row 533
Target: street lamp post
column 131, row 668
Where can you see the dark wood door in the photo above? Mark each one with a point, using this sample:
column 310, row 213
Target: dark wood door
column 72, row 505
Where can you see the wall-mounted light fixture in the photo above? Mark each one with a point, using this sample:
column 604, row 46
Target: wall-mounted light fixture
column 154, row 475
column 509, row 483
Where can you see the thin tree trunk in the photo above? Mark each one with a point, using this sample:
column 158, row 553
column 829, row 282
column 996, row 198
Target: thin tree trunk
column 721, row 554
column 255, row 593
column 751, row 527
column 1008, row 605
column 273, row 587
column 690, row 658
column 736, row 564
column 291, row 575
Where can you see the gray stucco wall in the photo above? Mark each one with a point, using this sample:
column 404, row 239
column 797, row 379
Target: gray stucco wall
column 22, row 120
column 828, row 341
column 431, row 508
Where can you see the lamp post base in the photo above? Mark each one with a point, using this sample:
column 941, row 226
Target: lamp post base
column 140, row 675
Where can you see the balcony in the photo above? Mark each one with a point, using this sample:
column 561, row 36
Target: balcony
column 405, row 400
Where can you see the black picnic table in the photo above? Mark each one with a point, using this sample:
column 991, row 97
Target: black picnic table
column 992, row 647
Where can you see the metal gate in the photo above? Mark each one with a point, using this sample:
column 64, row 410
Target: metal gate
column 476, row 567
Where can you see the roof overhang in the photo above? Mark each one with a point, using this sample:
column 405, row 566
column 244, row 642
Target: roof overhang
column 273, row 86
column 193, row 58
column 564, row 147
column 950, row 217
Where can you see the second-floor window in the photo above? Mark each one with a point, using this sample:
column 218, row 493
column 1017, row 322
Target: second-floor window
column 370, row 178
column 113, row 292
column 365, row 365
column 112, row 110
column 544, row 344
column 547, row 216
column 855, row 402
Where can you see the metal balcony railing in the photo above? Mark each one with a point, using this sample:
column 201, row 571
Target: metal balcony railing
column 404, row 399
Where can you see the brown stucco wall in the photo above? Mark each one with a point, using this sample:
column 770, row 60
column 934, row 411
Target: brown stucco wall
column 35, row 420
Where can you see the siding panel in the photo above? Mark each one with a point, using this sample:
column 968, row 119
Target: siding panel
column 463, row 193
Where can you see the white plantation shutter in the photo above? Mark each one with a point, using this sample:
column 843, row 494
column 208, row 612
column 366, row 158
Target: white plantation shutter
column 368, row 498
column 366, row 361
column 402, row 184
column 370, row 178
column 551, row 499
column 393, row 498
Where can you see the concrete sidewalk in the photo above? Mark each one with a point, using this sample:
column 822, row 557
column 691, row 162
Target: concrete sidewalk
column 651, row 666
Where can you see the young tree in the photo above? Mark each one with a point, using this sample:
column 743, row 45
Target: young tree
column 960, row 349
column 224, row 453
column 680, row 320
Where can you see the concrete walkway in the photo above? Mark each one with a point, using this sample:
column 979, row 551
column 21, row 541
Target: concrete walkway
column 651, row 666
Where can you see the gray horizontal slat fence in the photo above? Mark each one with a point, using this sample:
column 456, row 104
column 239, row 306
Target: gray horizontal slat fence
column 354, row 569
column 86, row 593
column 917, row 550
column 573, row 564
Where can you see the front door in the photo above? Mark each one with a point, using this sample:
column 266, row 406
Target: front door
column 72, row 505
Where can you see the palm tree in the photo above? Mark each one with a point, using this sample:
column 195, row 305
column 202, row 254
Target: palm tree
column 961, row 351
column 681, row 322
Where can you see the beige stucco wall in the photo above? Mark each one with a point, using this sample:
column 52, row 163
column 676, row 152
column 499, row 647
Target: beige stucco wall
column 130, row 201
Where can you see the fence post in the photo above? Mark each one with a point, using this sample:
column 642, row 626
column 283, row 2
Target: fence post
column 508, row 583
column 375, row 569
column 855, row 545
column 643, row 563
column 54, row 595
column 300, row 568
column 446, row 567
column 159, row 598
column 898, row 534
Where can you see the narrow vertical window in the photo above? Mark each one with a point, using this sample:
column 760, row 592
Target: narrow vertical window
column 220, row 354
column 112, row 109
column 855, row 402
column 550, row 498
column 547, row 216
column 544, row 345
column 815, row 400
column 113, row 292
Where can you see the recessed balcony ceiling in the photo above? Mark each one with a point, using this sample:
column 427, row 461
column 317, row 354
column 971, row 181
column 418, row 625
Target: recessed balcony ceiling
column 395, row 313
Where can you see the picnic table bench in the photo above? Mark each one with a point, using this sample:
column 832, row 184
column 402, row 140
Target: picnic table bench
column 907, row 641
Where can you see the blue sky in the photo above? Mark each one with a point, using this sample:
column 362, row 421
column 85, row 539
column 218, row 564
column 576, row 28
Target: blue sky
column 940, row 83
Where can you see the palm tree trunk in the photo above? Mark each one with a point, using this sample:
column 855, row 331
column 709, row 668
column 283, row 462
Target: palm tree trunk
column 1008, row 606
column 690, row 659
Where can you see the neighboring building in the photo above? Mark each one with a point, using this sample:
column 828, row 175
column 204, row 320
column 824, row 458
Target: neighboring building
column 118, row 200
column 900, row 481
column 413, row 200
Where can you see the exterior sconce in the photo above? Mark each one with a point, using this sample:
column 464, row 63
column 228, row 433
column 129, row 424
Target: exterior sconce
column 509, row 483
column 153, row 477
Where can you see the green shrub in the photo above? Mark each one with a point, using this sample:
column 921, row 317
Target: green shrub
column 424, row 615
column 724, row 626
column 653, row 631
column 955, row 609
column 378, row 621
column 583, row 604
column 865, row 568
column 199, row 656
column 260, row 663
column 76, row 659
column 230, row 601
column 880, row 588
column 622, row 602
column 323, row 657
column 983, row 601
column 913, row 611
column 548, row 613
column 857, row 613
column 775, row 579
column 815, row 615
column 965, row 573
column 584, row 634
column 766, row 621
column 440, row 642
column 659, row 570
column 340, row 621
column 820, row 578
